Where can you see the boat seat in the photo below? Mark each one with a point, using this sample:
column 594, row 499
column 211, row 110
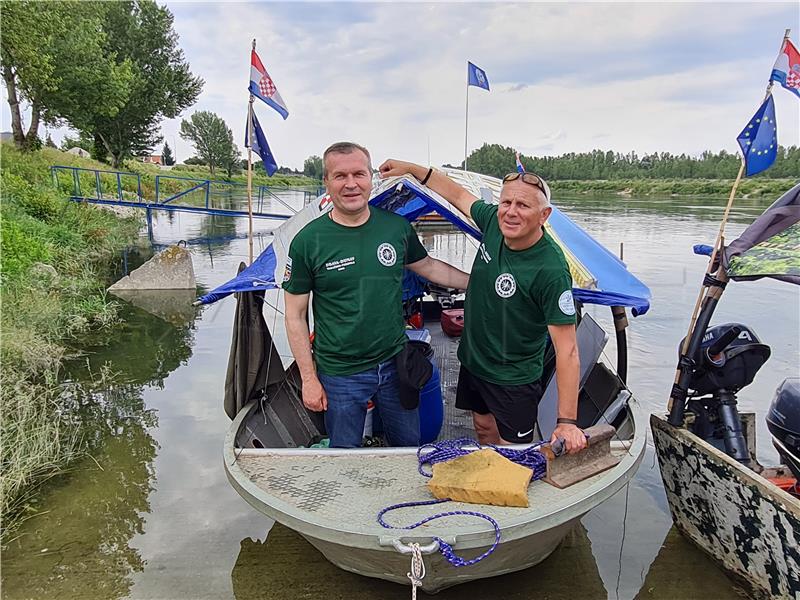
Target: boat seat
column 591, row 340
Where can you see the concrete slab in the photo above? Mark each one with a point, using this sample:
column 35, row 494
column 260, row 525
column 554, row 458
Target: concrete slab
column 170, row 269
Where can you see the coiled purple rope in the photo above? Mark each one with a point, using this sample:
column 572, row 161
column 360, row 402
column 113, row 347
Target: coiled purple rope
column 447, row 450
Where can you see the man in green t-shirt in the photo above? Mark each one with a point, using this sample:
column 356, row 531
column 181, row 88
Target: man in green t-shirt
column 352, row 259
column 520, row 289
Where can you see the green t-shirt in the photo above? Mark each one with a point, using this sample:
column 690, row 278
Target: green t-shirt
column 356, row 275
column 511, row 299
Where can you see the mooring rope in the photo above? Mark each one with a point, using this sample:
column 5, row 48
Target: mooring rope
column 445, row 450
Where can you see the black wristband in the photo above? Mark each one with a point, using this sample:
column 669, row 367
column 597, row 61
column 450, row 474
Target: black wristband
column 428, row 176
column 566, row 421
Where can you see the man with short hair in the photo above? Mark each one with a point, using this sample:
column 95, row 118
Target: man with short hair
column 353, row 258
column 520, row 289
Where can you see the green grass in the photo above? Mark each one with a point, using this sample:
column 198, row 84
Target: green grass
column 54, row 256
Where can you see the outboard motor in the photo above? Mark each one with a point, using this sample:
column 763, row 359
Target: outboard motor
column 783, row 422
column 730, row 356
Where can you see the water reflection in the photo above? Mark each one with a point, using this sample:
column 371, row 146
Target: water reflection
column 78, row 545
column 285, row 561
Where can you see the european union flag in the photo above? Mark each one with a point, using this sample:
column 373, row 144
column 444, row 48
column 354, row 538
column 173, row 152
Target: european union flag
column 477, row 76
column 260, row 146
column 759, row 139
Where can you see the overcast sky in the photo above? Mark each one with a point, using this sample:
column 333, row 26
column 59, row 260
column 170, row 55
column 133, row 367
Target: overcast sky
column 565, row 77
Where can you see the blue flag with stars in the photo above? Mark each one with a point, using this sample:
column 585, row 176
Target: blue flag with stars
column 260, row 146
column 759, row 139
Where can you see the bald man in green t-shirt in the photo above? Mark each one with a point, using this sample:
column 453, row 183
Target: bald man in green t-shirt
column 520, row 289
column 352, row 259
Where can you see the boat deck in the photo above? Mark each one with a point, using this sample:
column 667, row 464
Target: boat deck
column 457, row 423
column 345, row 491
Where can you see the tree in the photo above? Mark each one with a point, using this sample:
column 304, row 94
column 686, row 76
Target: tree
column 50, row 143
column 166, row 155
column 140, row 33
column 312, row 167
column 212, row 139
column 53, row 57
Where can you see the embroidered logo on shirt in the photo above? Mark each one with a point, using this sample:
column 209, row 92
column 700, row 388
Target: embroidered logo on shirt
column 287, row 272
column 566, row 304
column 341, row 264
column 505, row 285
column 387, row 255
column 484, row 254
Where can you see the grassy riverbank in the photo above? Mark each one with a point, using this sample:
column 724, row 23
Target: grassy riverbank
column 55, row 255
column 748, row 188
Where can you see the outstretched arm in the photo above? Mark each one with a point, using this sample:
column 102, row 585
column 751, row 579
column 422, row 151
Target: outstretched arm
column 568, row 369
column 296, row 320
column 438, row 182
column 440, row 272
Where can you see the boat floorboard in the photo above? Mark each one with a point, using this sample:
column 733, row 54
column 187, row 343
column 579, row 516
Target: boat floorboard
column 457, row 423
column 347, row 492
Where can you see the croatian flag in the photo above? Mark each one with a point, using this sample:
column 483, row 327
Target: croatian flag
column 520, row 168
column 262, row 86
column 787, row 68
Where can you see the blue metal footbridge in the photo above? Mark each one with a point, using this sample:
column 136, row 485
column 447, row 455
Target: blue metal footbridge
column 183, row 194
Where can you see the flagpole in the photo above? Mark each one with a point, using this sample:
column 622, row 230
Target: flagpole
column 466, row 121
column 250, row 172
column 718, row 246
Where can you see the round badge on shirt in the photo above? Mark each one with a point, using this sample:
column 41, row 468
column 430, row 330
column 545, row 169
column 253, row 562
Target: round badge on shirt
column 505, row 285
column 566, row 304
column 387, row 255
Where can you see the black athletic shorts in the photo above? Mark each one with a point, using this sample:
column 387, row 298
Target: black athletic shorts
column 514, row 407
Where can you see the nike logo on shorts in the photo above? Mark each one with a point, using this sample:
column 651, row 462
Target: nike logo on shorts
column 522, row 435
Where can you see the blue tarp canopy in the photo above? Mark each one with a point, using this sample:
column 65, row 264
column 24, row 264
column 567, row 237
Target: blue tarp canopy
column 602, row 277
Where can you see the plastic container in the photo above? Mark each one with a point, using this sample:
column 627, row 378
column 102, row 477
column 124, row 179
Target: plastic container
column 431, row 408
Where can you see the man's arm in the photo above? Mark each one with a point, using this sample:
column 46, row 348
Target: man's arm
column 438, row 182
column 568, row 371
column 296, row 320
column 440, row 272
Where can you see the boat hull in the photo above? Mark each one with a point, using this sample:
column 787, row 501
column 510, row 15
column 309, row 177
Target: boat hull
column 332, row 497
column 439, row 574
column 748, row 526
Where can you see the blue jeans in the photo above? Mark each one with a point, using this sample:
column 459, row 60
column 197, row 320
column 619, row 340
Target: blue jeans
column 347, row 407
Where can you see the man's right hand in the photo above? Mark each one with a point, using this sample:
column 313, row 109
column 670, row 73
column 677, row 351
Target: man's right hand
column 314, row 396
column 393, row 168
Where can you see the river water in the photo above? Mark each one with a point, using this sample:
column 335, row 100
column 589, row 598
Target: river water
column 150, row 513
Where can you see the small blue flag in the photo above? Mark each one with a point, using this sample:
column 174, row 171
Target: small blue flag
column 477, row 76
column 759, row 139
column 260, row 146
column 520, row 168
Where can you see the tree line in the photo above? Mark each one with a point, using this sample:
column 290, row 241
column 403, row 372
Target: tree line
column 497, row 161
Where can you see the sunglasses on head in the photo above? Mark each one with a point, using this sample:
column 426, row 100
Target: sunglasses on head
column 530, row 179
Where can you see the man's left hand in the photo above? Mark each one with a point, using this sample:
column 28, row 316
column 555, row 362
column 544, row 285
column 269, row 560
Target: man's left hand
column 573, row 436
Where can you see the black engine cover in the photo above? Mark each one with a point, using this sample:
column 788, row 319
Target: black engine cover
column 783, row 421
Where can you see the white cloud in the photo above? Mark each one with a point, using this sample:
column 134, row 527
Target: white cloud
column 678, row 77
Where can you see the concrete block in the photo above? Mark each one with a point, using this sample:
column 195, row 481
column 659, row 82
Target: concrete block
column 170, row 269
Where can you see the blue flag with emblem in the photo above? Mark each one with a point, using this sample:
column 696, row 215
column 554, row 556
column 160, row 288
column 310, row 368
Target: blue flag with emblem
column 759, row 139
column 260, row 145
column 477, row 76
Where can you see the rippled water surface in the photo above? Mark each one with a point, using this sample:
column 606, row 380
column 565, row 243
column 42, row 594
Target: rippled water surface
column 151, row 515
